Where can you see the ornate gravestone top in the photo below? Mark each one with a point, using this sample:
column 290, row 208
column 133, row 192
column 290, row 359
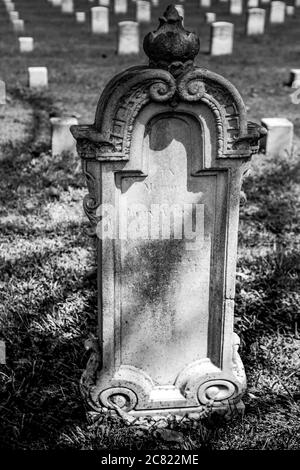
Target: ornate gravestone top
column 167, row 134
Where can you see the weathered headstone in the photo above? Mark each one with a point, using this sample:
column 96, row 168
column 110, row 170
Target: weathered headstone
column 221, row 38
column 26, row 44
column 67, row 6
column 80, row 16
column 143, row 11
column 14, row 15
column 100, row 20
column 210, row 17
column 56, row 3
column 120, row 7
column 295, row 78
column 10, row 7
column 255, row 21
column 164, row 161
column 38, row 77
column 253, row 3
column 236, row 7
column 205, row 3
column 2, row 92
column 277, row 12
column 297, row 3
column 18, row 26
column 290, row 10
column 128, row 38
column 279, row 139
column 104, row 3
column 62, row 140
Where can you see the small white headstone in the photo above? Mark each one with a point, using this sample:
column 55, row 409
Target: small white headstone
column 295, row 78
column 56, row 3
column 2, row 92
column 38, row 77
column 143, row 11
column 277, row 12
column 80, row 16
column 279, row 139
column 67, row 6
column 62, row 139
column 104, row 3
column 221, row 38
column 128, row 38
column 253, row 4
column 155, row 3
column 236, row 7
column 205, row 3
column 100, row 20
column 10, row 7
column 297, row 3
column 210, row 17
column 255, row 21
column 18, row 26
column 14, row 15
column 26, row 44
column 265, row 2
column 120, row 7
column 290, row 10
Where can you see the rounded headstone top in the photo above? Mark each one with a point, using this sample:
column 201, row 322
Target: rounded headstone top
column 170, row 43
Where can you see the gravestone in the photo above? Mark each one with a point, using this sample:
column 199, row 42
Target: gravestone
column 295, row 78
column 67, row 6
column 100, row 20
column 277, row 12
column 10, row 7
column 120, row 7
column 253, row 3
column 279, row 140
column 210, row 17
column 164, row 161
column 255, row 21
column 56, row 3
column 26, row 44
column 104, row 3
column 236, row 7
column 290, row 10
column 205, row 3
column 143, row 11
column 2, row 92
column 265, row 2
column 80, row 16
column 297, row 3
column 14, row 15
column 62, row 140
column 38, row 77
column 18, row 26
column 221, row 38
column 128, row 38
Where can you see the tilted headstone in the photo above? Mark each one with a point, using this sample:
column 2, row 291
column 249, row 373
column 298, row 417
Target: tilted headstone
column 2, row 92
column 80, row 16
column 67, row 6
column 128, row 38
column 255, row 21
column 62, row 140
column 221, row 38
column 18, row 26
column 205, row 3
column 236, row 7
column 164, row 161
column 120, row 7
column 290, row 10
column 100, row 20
column 253, row 3
column 295, row 78
column 143, row 11
column 26, row 44
column 38, row 77
column 277, row 12
column 210, row 17
column 279, row 140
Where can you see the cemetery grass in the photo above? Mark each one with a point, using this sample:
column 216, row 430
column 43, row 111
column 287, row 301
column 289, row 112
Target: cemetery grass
column 48, row 285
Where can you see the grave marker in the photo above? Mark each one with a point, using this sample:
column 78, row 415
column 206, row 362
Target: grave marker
column 277, row 12
column 143, row 11
column 279, row 139
column 255, row 21
column 221, row 38
column 18, row 26
column 100, row 20
column 38, row 77
column 128, row 38
column 62, row 140
column 236, row 7
column 168, row 136
column 210, row 17
column 290, row 10
column 80, row 16
column 120, row 7
column 67, row 6
column 205, row 3
column 26, row 44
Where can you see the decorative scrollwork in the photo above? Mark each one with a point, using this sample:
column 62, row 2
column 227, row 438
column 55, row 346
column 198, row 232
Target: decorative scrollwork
column 162, row 91
column 191, row 87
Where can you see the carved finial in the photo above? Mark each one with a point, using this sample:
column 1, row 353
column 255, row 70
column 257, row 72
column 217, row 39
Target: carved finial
column 171, row 46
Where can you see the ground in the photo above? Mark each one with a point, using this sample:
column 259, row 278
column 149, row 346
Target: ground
column 48, row 289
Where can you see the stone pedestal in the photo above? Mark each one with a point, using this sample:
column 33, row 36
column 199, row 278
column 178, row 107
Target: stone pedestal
column 164, row 161
column 26, row 44
column 236, row 7
column 80, row 16
column 279, row 139
column 128, row 38
column 143, row 11
column 255, row 21
column 277, row 12
column 100, row 20
column 62, row 140
column 38, row 77
column 221, row 38
column 120, row 7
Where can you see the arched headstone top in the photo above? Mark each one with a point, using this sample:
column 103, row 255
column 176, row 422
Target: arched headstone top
column 171, row 78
